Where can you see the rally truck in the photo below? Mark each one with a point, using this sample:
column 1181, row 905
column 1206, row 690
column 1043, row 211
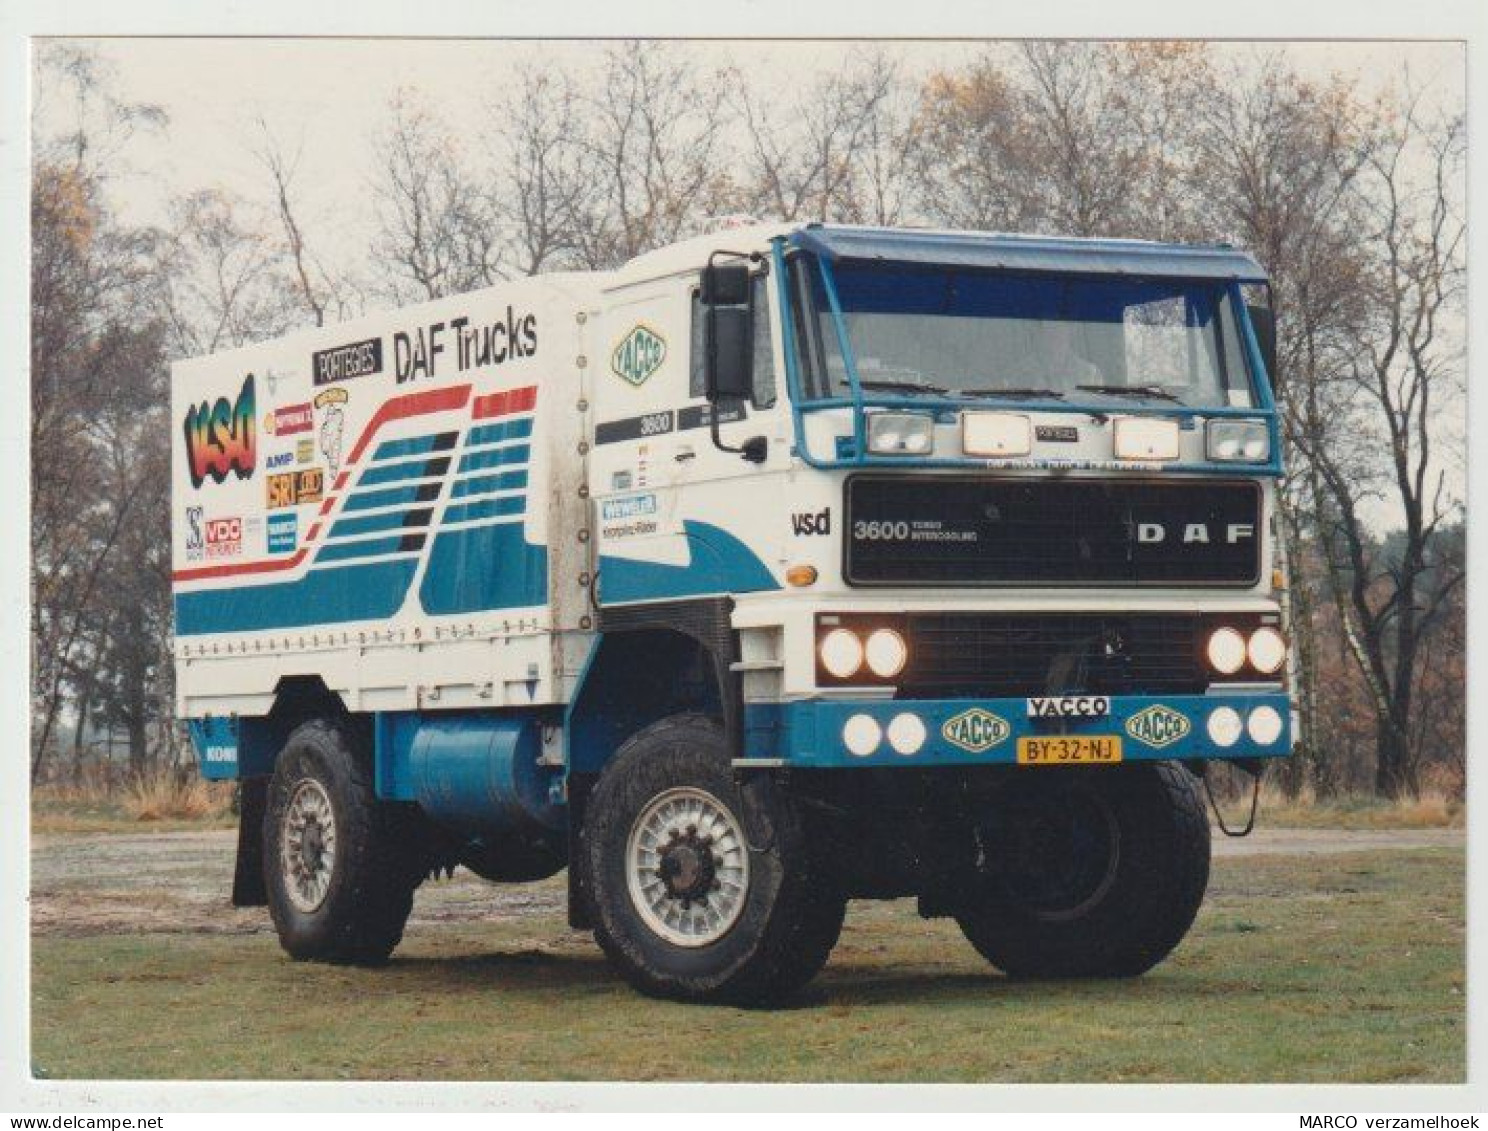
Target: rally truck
column 780, row 567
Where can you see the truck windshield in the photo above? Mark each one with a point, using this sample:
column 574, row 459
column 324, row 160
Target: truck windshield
column 1090, row 339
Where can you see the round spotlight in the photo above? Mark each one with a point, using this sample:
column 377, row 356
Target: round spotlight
column 886, row 652
column 1226, row 651
column 1264, row 725
column 861, row 734
column 1267, row 650
column 907, row 733
column 1224, row 726
column 841, row 653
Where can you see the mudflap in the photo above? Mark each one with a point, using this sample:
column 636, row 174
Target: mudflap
column 249, row 889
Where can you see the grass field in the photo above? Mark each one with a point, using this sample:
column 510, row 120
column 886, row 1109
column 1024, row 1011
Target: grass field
column 1347, row 967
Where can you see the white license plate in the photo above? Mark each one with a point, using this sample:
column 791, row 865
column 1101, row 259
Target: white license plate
column 1069, row 707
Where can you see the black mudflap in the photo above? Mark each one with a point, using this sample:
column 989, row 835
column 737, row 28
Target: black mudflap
column 248, row 876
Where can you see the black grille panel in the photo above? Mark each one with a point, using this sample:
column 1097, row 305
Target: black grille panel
column 944, row 531
column 971, row 655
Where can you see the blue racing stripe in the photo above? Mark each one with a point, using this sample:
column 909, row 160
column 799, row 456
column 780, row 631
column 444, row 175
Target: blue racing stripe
column 486, row 484
column 486, row 508
column 413, row 446
column 367, row 500
column 394, row 472
column 372, row 523
column 494, row 457
column 494, row 433
column 371, row 548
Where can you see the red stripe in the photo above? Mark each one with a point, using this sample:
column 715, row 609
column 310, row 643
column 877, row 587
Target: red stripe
column 504, row 404
column 399, row 408
column 310, row 535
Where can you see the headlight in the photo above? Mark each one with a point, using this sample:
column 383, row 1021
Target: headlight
column 1145, row 437
column 1226, row 651
column 886, row 653
column 1239, row 441
column 1267, row 650
column 841, row 653
column 1224, row 726
column 901, row 434
column 1264, row 725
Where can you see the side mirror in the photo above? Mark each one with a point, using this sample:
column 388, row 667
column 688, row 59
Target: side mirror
column 1263, row 321
column 730, row 353
column 725, row 284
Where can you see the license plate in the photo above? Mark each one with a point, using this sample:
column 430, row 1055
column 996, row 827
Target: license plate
column 1069, row 749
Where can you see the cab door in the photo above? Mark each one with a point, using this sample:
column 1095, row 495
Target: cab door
column 676, row 516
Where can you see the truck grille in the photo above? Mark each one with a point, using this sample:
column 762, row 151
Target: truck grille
column 971, row 655
column 958, row 530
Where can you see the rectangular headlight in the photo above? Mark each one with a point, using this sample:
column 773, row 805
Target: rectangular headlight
column 1239, row 441
column 996, row 434
column 1146, row 437
column 901, row 434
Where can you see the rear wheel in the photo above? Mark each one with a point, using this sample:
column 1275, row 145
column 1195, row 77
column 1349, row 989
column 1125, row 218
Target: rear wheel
column 699, row 892
column 340, row 866
column 1086, row 873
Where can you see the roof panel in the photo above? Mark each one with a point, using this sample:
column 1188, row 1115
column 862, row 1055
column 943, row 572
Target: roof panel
column 1030, row 253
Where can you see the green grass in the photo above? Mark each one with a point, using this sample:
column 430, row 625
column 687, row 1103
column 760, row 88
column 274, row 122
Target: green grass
column 1335, row 968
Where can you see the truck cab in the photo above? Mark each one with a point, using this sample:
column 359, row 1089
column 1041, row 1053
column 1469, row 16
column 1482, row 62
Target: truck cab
column 849, row 563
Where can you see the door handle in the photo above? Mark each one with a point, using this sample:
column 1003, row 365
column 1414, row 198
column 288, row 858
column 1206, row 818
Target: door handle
column 684, row 454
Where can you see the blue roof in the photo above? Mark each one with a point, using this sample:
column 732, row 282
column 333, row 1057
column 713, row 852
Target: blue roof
column 1030, row 253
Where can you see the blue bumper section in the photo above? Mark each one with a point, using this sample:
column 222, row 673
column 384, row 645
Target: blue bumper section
column 966, row 732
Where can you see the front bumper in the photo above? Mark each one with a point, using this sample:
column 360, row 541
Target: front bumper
column 967, row 732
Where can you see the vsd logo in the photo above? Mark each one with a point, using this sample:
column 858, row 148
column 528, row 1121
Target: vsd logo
column 975, row 730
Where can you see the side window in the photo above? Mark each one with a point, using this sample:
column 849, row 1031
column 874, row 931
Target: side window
column 764, row 355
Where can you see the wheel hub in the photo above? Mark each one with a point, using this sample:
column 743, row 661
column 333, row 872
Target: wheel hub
column 307, row 845
column 687, row 867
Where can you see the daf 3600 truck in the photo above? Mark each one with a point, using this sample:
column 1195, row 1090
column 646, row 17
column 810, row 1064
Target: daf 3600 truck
column 780, row 567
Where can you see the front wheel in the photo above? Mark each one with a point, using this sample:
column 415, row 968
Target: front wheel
column 1086, row 872
column 700, row 894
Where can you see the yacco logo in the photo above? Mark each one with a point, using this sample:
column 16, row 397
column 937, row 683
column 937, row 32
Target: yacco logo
column 639, row 354
column 220, row 437
column 1158, row 725
column 975, row 730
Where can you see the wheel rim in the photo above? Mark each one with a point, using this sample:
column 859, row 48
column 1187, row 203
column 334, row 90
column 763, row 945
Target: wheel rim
column 307, row 845
column 1056, row 854
column 687, row 867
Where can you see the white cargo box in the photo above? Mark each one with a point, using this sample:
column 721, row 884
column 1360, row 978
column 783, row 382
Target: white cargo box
column 390, row 504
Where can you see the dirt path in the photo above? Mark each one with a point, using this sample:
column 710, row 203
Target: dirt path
column 99, row 883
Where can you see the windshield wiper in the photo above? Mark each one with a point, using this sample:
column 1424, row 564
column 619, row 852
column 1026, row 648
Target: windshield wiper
column 1050, row 394
column 1156, row 392
column 902, row 386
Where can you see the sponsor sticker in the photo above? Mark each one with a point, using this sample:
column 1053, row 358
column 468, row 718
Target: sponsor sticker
column 342, row 363
column 1158, row 725
column 283, row 532
column 614, row 510
column 219, row 753
column 290, row 419
column 975, row 730
column 305, row 449
column 224, row 537
column 639, row 354
column 296, row 487
column 332, row 404
column 278, row 459
column 1069, row 707
column 195, row 542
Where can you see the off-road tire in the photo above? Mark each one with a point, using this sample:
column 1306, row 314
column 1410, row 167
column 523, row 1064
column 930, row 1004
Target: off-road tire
column 379, row 858
column 792, row 911
column 1144, row 905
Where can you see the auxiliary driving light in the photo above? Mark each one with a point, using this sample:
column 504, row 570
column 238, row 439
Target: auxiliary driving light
column 996, row 434
column 1239, row 441
column 907, row 733
column 1226, row 651
column 861, row 734
column 841, row 653
column 901, row 434
column 1267, row 650
column 886, row 653
column 1224, row 726
column 1264, row 725
column 1144, row 437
